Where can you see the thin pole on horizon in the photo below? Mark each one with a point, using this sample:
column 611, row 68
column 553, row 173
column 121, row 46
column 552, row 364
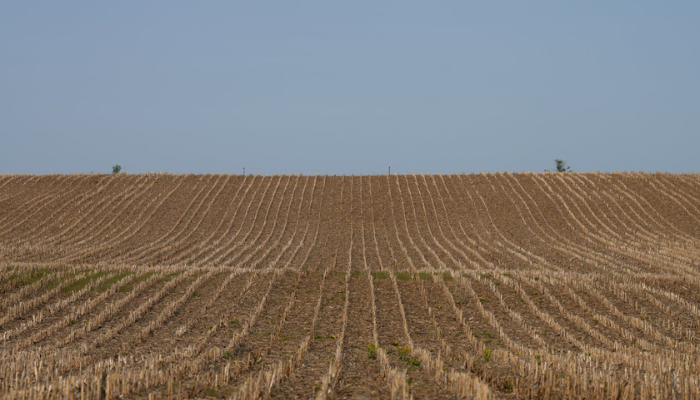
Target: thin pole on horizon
column 389, row 170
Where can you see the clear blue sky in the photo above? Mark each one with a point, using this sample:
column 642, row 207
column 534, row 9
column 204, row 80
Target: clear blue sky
column 349, row 87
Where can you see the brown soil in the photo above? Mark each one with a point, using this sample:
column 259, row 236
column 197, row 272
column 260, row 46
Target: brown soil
column 425, row 286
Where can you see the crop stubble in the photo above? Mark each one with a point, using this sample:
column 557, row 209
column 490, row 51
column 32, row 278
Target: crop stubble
column 424, row 286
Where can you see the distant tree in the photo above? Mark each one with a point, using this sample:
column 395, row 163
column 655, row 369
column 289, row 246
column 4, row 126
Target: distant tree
column 560, row 166
column 116, row 169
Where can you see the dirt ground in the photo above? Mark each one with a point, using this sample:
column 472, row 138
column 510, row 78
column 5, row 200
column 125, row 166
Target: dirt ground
column 553, row 285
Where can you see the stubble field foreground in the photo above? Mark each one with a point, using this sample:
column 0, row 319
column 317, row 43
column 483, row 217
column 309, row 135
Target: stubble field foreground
column 426, row 286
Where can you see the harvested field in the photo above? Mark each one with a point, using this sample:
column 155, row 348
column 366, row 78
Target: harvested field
column 553, row 285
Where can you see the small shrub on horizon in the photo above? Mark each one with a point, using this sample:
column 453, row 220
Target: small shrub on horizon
column 560, row 166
